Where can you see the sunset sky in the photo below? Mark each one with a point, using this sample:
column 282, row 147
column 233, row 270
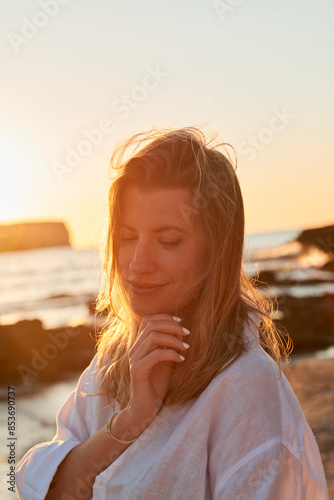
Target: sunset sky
column 260, row 72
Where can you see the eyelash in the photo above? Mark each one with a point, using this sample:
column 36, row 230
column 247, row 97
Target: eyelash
column 167, row 244
column 171, row 244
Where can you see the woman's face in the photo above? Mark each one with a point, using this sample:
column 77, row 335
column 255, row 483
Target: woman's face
column 162, row 249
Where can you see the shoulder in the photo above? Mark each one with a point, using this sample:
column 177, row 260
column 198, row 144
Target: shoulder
column 253, row 375
column 253, row 405
column 243, row 378
column 245, row 399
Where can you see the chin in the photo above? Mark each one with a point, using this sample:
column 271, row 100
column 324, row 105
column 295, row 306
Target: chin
column 151, row 309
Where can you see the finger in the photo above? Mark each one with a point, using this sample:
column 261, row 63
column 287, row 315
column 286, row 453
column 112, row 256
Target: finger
column 142, row 369
column 156, row 340
column 161, row 325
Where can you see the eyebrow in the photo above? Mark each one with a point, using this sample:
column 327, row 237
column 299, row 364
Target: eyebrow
column 160, row 229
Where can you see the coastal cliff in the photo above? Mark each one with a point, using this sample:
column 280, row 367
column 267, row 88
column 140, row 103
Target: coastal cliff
column 28, row 235
column 320, row 237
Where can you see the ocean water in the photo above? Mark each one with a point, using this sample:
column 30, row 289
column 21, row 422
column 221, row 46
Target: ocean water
column 55, row 284
column 51, row 284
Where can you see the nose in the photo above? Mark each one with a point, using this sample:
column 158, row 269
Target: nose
column 143, row 260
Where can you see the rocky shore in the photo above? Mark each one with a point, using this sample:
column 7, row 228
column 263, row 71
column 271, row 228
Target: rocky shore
column 31, row 354
column 309, row 319
column 312, row 381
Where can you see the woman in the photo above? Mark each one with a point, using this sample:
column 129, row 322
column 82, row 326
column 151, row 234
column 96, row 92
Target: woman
column 185, row 398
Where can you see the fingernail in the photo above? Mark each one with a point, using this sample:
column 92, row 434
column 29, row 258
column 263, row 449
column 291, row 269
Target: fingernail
column 175, row 318
column 186, row 331
column 185, row 345
column 182, row 357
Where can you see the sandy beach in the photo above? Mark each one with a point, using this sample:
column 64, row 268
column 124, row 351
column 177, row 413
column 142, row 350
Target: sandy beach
column 312, row 382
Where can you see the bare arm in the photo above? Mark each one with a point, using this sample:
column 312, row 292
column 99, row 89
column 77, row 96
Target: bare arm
column 151, row 360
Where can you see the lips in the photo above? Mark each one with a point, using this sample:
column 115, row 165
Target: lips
column 144, row 289
column 141, row 284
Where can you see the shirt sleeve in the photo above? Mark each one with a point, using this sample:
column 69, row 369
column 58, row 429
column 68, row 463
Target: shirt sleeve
column 271, row 472
column 36, row 469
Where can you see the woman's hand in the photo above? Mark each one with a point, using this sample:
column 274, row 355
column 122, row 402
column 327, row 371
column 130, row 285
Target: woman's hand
column 151, row 360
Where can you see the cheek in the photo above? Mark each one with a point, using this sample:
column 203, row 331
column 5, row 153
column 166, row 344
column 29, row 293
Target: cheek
column 190, row 267
column 123, row 259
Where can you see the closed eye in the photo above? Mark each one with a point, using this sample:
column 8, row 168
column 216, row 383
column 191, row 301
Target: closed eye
column 164, row 243
column 170, row 243
column 128, row 238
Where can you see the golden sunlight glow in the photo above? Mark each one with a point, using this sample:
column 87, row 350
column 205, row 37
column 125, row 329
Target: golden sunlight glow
column 14, row 174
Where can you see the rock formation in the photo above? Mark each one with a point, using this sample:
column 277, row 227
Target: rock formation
column 28, row 235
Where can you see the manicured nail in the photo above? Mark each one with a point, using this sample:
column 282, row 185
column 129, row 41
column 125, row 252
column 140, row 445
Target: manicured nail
column 175, row 318
column 185, row 345
column 186, row 331
column 182, row 358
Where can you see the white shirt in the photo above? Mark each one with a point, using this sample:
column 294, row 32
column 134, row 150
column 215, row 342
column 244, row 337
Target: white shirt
column 244, row 438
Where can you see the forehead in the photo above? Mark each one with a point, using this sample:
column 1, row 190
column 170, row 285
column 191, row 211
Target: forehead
column 157, row 205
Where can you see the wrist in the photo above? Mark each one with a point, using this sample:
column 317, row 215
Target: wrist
column 124, row 426
column 129, row 425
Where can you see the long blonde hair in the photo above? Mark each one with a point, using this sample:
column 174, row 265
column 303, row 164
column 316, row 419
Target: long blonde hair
column 184, row 158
